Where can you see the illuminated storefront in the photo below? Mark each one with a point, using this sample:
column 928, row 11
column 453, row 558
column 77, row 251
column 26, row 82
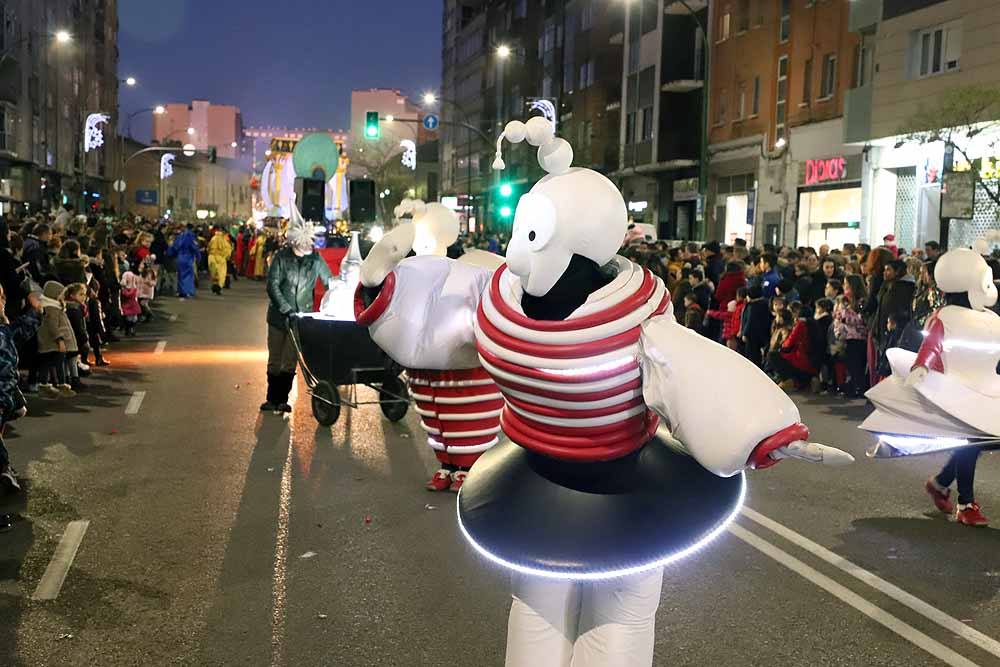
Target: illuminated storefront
column 829, row 201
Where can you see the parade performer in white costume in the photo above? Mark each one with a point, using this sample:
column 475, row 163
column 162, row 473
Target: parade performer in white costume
column 947, row 395
column 590, row 496
column 459, row 405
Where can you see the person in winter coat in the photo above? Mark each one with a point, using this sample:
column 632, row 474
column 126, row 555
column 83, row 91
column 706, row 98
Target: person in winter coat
column 895, row 297
column 96, row 332
column 11, row 279
column 694, row 316
column 240, row 252
column 131, row 309
column 219, row 251
column 793, row 362
column 732, row 280
column 711, row 254
column 185, row 250
column 677, row 295
column 69, row 265
column 701, row 289
column 75, row 298
column 851, row 333
column 55, row 342
column 35, row 254
column 12, row 405
column 731, row 318
column 755, row 325
column 290, row 284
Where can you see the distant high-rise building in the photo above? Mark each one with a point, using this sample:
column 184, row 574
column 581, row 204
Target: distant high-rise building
column 203, row 124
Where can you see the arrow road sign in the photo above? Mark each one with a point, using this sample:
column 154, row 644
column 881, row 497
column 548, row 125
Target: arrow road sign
column 431, row 122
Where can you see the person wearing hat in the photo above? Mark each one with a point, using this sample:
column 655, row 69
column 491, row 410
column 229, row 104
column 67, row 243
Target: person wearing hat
column 889, row 241
column 291, row 280
column 588, row 497
column 185, row 249
column 55, row 341
column 715, row 264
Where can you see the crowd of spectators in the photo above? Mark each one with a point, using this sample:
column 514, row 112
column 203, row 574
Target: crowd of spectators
column 71, row 286
column 817, row 319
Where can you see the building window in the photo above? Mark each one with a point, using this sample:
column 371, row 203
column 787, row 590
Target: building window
column 547, row 87
column 720, row 110
column 724, row 23
column 741, row 103
column 829, row 84
column 781, row 99
column 630, row 128
column 744, row 17
column 568, row 82
column 647, row 123
column 938, row 49
column 586, row 75
column 650, row 16
column 785, row 29
column 586, row 129
column 587, row 15
column 807, row 76
column 758, row 15
column 755, row 107
column 8, row 128
column 520, row 9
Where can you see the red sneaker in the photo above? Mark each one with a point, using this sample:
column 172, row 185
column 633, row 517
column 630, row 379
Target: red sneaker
column 458, row 478
column 441, row 481
column 970, row 515
column 941, row 499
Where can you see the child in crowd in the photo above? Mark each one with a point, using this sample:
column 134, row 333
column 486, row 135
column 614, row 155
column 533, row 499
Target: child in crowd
column 833, row 289
column 852, row 334
column 131, row 310
column 95, row 324
column 731, row 318
column 755, row 325
column 12, row 404
column 781, row 327
column 894, row 327
column 693, row 314
column 75, row 298
column 821, row 336
column 55, row 341
column 147, row 287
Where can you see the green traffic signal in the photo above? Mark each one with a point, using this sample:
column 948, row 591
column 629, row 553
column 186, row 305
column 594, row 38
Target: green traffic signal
column 506, row 190
column 506, row 211
column 372, row 129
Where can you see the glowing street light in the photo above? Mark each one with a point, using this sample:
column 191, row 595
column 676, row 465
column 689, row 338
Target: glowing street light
column 780, row 143
column 130, row 81
column 159, row 110
column 390, row 118
column 267, row 153
column 233, row 145
column 430, row 99
column 503, row 52
column 63, row 37
column 190, row 131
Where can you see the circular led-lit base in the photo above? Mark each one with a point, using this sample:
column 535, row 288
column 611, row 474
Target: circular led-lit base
column 593, row 521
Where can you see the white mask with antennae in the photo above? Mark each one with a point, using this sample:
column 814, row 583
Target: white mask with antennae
column 571, row 211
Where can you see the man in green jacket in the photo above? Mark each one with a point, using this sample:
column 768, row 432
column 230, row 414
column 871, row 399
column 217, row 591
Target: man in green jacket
column 290, row 282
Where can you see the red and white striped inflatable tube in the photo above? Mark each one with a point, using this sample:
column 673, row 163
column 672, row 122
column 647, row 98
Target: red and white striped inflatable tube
column 573, row 387
column 459, row 410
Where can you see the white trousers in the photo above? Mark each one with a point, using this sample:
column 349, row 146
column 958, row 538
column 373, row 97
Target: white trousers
column 583, row 624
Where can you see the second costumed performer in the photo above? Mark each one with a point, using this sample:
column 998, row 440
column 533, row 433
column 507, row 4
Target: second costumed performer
column 593, row 492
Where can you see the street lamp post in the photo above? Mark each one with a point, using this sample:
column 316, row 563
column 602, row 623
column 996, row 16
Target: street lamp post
column 156, row 111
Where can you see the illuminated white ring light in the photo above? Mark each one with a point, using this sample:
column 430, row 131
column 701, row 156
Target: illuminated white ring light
column 705, row 540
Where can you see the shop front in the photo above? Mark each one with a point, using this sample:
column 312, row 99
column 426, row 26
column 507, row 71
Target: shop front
column 829, row 201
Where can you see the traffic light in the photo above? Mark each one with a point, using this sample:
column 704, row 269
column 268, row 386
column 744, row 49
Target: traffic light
column 506, row 200
column 213, row 155
column 372, row 129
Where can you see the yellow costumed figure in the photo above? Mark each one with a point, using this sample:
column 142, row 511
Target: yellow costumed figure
column 220, row 248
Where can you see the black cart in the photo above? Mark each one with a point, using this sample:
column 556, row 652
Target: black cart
column 336, row 353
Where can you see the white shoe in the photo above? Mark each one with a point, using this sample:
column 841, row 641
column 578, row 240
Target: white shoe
column 8, row 480
column 83, row 367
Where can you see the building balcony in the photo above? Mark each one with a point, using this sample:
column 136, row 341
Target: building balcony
column 864, row 14
column 858, row 115
column 678, row 7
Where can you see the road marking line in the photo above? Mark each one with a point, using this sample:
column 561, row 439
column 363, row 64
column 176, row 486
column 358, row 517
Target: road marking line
column 279, row 584
column 55, row 574
column 160, row 346
column 914, row 603
column 173, row 318
column 877, row 614
column 135, row 403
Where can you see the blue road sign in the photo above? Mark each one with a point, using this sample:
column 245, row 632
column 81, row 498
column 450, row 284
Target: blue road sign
column 147, row 197
column 431, row 122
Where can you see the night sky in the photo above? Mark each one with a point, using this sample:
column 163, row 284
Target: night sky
column 283, row 62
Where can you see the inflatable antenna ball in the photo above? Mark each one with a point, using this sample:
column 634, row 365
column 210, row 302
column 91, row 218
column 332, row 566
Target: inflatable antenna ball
column 619, row 456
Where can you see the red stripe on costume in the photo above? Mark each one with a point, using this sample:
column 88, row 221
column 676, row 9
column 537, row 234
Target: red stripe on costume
column 456, row 375
column 633, row 427
column 570, row 413
column 568, row 378
column 566, row 396
column 618, row 311
column 570, row 351
column 534, row 440
column 931, row 354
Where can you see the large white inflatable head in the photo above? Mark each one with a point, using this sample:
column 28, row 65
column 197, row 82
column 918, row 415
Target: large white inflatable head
column 572, row 211
column 435, row 228
column 965, row 270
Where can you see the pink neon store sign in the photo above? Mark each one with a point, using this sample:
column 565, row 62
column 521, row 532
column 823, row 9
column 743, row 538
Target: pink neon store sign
column 821, row 171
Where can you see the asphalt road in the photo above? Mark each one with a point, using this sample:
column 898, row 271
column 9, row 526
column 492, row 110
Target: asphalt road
column 216, row 536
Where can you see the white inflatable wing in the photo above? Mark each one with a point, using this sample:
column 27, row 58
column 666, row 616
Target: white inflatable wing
column 716, row 402
column 424, row 316
column 482, row 258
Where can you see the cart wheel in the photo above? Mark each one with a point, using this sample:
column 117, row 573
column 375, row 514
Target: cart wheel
column 393, row 408
column 326, row 404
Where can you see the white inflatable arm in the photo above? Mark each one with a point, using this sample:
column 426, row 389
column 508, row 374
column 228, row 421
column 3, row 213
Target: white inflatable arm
column 386, row 254
column 424, row 316
column 716, row 403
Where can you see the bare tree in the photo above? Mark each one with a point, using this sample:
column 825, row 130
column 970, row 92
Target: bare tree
column 382, row 161
column 956, row 118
